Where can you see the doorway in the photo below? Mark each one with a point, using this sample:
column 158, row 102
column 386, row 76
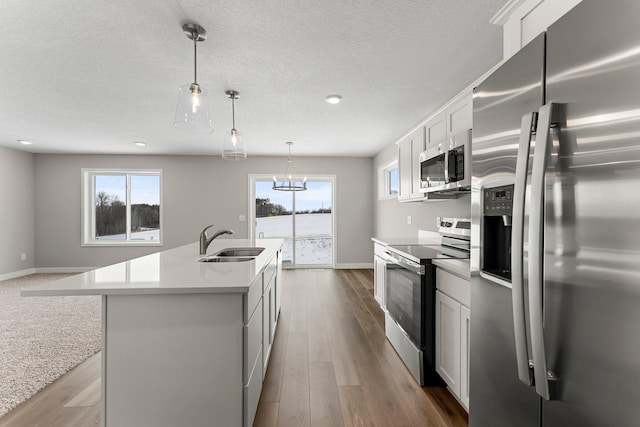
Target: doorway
column 304, row 219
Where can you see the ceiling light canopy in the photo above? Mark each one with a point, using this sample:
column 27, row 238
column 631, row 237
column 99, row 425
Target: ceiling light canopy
column 233, row 146
column 192, row 112
column 290, row 180
column 333, row 99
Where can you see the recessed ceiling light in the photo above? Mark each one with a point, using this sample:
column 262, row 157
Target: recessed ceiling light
column 140, row 143
column 333, row 99
column 23, row 142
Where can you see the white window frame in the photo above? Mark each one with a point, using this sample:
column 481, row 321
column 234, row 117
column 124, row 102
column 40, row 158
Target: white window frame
column 384, row 184
column 88, row 207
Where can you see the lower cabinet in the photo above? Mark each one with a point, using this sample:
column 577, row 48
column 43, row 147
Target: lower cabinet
column 262, row 304
column 452, row 333
column 379, row 275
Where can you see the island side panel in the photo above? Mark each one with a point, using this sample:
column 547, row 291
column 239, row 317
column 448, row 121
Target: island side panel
column 172, row 360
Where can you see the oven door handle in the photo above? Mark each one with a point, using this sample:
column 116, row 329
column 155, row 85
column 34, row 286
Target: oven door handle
column 405, row 263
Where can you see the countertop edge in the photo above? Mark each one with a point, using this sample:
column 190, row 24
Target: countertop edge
column 457, row 267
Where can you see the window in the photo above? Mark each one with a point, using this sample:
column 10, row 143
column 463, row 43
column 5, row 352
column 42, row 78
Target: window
column 121, row 207
column 388, row 180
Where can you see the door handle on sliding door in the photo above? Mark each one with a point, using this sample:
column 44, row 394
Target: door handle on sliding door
column 517, row 251
column 547, row 119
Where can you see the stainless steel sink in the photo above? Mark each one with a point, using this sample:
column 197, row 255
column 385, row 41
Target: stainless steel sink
column 240, row 252
column 225, row 259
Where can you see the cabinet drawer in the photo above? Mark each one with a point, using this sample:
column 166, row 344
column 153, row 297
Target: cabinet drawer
column 252, row 337
column 251, row 298
column 251, row 393
column 454, row 286
column 269, row 273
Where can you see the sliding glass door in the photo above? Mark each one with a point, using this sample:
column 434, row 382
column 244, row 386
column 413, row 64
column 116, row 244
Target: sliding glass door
column 304, row 219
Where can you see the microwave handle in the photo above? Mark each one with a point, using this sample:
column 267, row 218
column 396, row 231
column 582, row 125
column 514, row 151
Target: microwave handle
column 446, row 167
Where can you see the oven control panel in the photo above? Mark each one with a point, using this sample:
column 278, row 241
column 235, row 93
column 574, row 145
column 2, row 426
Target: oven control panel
column 498, row 200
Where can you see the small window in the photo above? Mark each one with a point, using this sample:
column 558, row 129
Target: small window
column 122, row 208
column 388, row 180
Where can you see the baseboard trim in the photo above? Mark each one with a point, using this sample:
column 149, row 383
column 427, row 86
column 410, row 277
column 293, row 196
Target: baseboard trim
column 14, row 274
column 64, row 269
column 354, row 266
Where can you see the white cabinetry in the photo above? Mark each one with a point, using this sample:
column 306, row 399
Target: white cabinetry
column 268, row 310
column 452, row 333
column 523, row 20
column 465, row 341
column 456, row 117
column 459, row 114
column 379, row 275
column 409, row 150
column 436, row 129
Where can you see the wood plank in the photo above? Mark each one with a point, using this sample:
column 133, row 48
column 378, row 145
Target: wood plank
column 355, row 410
column 323, row 396
column 294, row 399
column 88, row 397
column 318, row 342
column 267, row 414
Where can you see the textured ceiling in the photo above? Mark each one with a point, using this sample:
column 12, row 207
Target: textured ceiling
column 87, row 76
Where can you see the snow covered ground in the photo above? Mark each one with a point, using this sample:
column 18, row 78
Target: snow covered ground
column 140, row 235
column 313, row 237
column 314, row 243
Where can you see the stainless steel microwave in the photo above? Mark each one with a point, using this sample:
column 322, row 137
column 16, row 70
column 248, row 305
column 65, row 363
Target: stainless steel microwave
column 445, row 168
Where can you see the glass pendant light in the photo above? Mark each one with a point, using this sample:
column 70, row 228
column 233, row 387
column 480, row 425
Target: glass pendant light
column 233, row 147
column 192, row 112
column 290, row 180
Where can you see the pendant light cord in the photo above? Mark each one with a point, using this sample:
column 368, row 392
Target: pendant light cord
column 195, row 56
column 233, row 110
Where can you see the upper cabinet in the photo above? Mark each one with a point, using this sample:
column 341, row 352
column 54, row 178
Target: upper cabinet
column 437, row 129
column 455, row 117
column 523, row 20
column 459, row 114
column 409, row 150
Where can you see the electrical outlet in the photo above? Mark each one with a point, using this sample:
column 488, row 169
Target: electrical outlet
column 242, row 218
column 23, row 257
column 409, row 219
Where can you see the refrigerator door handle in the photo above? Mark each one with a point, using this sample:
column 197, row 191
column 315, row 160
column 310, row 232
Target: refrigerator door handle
column 525, row 373
column 536, row 247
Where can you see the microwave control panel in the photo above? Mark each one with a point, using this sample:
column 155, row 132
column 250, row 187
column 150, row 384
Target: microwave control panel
column 498, row 200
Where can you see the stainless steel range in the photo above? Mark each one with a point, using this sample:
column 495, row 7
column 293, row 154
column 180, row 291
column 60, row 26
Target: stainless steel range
column 411, row 292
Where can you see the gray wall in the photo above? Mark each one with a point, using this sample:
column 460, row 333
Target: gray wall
column 17, row 207
column 390, row 216
column 197, row 191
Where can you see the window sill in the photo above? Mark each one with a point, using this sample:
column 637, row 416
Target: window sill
column 120, row 244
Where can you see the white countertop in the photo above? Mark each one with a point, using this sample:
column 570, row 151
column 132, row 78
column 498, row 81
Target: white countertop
column 174, row 271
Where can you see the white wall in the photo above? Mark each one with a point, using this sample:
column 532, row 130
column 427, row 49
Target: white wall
column 16, row 210
column 198, row 191
column 390, row 216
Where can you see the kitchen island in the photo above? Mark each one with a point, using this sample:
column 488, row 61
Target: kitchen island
column 184, row 342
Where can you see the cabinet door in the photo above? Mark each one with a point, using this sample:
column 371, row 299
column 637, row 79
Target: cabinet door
column 267, row 307
column 459, row 115
column 448, row 341
column 379, row 277
column 436, row 129
column 465, row 340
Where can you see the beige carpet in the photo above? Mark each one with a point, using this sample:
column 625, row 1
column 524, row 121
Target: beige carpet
column 42, row 338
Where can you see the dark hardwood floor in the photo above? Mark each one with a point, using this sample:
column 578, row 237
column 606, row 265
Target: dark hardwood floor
column 331, row 365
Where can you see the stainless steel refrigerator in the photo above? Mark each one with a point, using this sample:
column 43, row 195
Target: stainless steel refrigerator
column 555, row 255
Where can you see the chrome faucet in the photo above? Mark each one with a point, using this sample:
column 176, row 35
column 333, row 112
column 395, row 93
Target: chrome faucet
column 205, row 242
